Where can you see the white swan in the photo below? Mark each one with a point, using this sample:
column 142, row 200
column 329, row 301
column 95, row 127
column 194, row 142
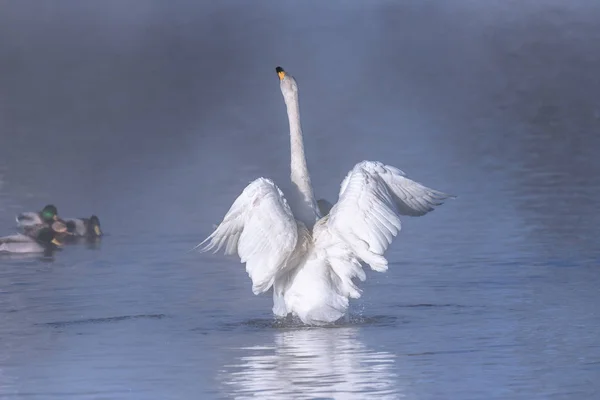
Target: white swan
column 310, row 261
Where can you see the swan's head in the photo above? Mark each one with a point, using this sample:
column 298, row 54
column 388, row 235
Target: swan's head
column 289, row 87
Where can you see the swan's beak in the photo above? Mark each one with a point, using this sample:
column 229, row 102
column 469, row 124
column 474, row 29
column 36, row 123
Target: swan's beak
column 56, row 242
column 280, row 73
column 97, row 230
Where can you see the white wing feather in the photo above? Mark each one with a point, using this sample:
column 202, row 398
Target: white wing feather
column 367, row 215
column 261, row 228
column 359, row 228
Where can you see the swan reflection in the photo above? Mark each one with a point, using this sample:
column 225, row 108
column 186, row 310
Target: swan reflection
column 313, row 363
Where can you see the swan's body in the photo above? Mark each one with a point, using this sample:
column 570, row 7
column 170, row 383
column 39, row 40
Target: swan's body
column 309, row 260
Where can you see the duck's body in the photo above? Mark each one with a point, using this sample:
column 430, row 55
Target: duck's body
column 84, row 227
column 311, row 260
column 29, row 219
column 20, row 244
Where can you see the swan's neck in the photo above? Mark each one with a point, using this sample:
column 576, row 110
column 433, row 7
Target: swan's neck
column 302, row 202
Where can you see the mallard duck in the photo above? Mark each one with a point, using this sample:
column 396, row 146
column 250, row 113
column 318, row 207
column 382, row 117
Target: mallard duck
column 44, row 217
column 44, row 240
column 84, row 227
column 32, row 222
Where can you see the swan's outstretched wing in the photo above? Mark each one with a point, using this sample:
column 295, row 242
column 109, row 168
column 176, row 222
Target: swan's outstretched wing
column 372, row 198
column 261, row 229
column 359, row 228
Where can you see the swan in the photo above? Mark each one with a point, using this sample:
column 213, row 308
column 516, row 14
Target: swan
column 310, row 260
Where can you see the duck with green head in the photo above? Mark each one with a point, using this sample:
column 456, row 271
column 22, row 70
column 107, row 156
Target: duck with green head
column 33, row 222
column 44, row 217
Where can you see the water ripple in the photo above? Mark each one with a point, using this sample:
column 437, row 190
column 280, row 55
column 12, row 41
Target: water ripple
column 63, row 324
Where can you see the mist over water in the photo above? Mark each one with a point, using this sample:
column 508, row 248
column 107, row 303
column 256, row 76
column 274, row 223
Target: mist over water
column 155, row 115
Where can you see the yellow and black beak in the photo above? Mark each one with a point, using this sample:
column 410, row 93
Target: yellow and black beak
column 56, row 242
column 280, row 73
column 97, row 230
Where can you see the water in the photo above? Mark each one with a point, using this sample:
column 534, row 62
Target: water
column 155, row 117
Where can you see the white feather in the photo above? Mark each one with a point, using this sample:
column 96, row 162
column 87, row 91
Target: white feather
column 260, row 227
column 373, row 196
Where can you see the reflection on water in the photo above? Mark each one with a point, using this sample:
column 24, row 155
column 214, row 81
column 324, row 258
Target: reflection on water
column 313, row 363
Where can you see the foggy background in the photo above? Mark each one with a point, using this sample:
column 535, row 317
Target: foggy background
column 108, row 106
column 154, row 115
